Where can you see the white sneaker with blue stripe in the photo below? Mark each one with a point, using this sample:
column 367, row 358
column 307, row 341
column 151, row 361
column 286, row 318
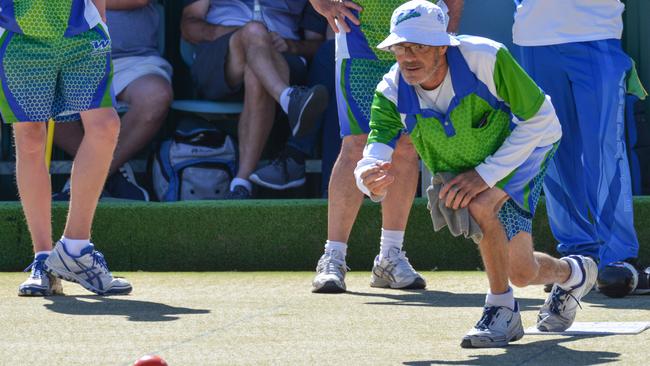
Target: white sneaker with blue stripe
column 497, row 327
column 40, row 283
column 89, row 269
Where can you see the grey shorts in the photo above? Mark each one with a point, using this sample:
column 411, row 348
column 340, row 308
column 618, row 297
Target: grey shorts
column 209, row 70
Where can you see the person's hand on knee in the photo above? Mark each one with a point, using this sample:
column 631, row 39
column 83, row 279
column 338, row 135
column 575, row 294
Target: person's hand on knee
column 460, row 191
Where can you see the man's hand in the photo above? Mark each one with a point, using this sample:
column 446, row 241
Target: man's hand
column 460, row 191
column 377, row 179
column 337, row 9
column 280, row 44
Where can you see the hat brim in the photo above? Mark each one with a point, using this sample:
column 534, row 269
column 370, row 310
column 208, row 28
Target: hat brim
column 425, row 38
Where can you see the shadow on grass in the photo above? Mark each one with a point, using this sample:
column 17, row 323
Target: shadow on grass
column 134, row 310
column 548, row 352
column 439, row 299
column 599, row 300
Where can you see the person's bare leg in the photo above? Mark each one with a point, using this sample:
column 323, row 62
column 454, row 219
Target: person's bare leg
column 255, row 124
column 344, row 198
column 90, row 169
column 149, row 98
column 251, row 46
column 494, row 252
column 528, row 267
column 33, row 182
column 395, row 208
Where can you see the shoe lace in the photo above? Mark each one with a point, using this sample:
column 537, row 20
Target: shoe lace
column 486, row 319
column 37, row 267
column 401, row 262
column 282, row 158
column 330, row 264
column 559, row 298
column 98, row 259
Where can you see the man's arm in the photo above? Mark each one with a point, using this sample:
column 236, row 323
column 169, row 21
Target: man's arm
column 455, row 12
column 101, row 7
column 126, row 4
column 195, row 29
column 307, row 47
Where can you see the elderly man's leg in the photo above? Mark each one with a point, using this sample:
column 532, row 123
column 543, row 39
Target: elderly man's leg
column 149, row 98
column 252, row 46
column 255, row 124
column 391, row 267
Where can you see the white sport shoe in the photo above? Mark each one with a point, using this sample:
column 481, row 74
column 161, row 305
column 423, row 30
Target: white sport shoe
column 89, row 269
column 559, row 311
column 395, row 271
column 330, row 273
column 39, row 282
column 497, row 327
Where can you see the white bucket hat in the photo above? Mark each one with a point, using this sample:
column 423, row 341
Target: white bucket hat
column 418, row 21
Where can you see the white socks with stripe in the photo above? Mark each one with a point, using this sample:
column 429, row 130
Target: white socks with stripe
column 506, row 299
column 338, row 246
column 75, row 246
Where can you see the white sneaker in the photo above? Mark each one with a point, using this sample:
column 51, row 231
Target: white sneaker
column 497, row 327
column 395, row 271
column 89, row 269
column 39, row 282
column 330, row 273
column 559, row 311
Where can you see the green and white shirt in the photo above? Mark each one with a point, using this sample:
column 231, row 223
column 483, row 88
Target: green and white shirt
column 48, row 18
column 488, row 114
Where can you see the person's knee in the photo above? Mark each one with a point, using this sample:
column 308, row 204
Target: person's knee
column 352, row 149
column 30, row 138
column 405, row 152
column 480, row 210
column 523, row 274
column 105, row 130
column 254, row 33
column 151, row 104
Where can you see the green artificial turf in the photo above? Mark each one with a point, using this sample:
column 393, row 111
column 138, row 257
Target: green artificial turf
column 256, row 235
column 273, row 319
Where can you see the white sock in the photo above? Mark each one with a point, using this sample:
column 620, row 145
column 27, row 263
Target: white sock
column 241, row 182
column 284, row 99
column 44, row 252
column 506, row 299
column 576, row 274
column 390, row 239
column 336, row 245
column 75, row 246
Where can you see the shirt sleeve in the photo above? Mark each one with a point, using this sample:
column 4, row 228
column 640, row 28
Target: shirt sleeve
column 535, row 118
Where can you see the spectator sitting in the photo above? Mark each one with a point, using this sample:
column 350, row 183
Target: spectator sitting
column 248, row 50
column 142, row 80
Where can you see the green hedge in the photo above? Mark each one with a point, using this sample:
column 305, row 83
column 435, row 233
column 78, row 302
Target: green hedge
column 255, row 235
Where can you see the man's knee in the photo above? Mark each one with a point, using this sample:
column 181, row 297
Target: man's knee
column 405, row 151
column 30, row 138
column 481, row 210
column 352, row 148
column 254, row 33
column 106, row 129
column 522, row 274
column 152, row 103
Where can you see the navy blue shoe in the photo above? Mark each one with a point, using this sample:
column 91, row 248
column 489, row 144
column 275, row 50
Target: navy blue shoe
column 122, row 184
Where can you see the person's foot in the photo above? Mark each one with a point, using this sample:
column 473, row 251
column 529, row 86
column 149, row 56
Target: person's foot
column 239, row 192
column 39, row 282
column 559, row 311
column 330, row 273
column 89, row 269
column 122, row 184
column 305, row 107
column 395, row 271
column 286, row 171
column 497, row 327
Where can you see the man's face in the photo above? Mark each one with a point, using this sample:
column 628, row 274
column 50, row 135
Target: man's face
column 418, row 63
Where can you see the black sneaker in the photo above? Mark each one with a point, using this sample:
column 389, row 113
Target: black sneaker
column 643, row 284
column 64, row 194
column 283, row 173
column 305, row 106
column 122, row 184
column 239, row 193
